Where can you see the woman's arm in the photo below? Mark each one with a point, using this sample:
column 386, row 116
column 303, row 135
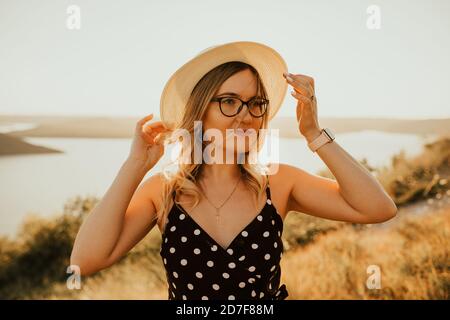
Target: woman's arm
column 356, row 196
column 124, row 215
column 110, row 223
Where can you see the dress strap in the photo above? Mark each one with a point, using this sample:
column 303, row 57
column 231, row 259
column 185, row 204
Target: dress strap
column 268, row 188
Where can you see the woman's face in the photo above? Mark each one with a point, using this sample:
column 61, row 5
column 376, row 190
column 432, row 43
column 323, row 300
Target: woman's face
column 244, row 85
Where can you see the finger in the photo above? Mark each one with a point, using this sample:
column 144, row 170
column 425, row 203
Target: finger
column 304, row 77
column 160, row 137
column 301, row 97
column 142, row 121
column 302, row 89
column 301, row 84
column 156, row 127
column 148, row 138
column 306, row 84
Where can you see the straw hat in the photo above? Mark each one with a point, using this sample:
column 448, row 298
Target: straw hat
column 269, row 64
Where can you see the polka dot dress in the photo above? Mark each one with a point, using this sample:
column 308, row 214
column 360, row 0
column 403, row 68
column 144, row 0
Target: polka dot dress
column 198, row 268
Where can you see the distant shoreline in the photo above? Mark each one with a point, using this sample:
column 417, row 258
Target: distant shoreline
column 123, row 127
column 10, row 145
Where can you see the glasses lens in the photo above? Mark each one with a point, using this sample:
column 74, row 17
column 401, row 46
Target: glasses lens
column 258, row 107
column 230, row 106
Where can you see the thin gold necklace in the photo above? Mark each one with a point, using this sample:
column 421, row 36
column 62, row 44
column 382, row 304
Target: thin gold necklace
column 218, row 208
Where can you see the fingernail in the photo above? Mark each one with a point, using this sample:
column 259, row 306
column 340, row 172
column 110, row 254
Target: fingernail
column 289, row 78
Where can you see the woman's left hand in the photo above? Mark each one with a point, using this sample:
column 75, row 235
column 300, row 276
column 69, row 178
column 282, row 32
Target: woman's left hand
column 308, row 123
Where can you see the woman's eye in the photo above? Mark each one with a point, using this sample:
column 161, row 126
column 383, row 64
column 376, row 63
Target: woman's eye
column 228, row 101
column 258, row 103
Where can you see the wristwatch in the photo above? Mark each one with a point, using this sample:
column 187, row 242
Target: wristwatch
column 326, row 136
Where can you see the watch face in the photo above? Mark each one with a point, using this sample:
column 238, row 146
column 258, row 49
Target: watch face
column 329, row 133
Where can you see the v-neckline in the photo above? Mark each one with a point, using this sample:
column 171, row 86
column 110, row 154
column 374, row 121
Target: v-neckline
column 211, row 238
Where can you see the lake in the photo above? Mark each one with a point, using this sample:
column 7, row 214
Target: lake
column 42, row 183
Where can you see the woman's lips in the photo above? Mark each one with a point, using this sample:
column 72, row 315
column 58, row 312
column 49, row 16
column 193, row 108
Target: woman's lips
column 241, row 132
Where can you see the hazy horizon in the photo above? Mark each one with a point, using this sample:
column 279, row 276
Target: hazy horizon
column 118, row 62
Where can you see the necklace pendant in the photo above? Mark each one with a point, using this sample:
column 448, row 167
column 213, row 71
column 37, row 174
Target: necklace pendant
column 217, row 214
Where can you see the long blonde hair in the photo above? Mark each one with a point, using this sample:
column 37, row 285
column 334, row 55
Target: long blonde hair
column 184, row 179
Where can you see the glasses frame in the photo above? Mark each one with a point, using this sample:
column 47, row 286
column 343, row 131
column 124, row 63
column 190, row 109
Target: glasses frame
column 219, row 99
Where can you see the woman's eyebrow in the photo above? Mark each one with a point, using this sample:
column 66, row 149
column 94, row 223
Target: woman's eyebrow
column 233, row 94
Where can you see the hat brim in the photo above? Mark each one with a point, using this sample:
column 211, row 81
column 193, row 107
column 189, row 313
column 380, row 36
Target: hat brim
column 268, row 62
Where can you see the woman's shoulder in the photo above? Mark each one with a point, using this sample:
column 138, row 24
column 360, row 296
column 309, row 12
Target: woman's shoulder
column 280, row 181
column 279, row 171
column 153, row 187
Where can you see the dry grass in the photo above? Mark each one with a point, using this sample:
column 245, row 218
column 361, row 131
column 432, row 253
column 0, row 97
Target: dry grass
column 412, row 254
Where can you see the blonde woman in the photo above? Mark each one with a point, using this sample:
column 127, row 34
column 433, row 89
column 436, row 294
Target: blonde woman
column 221, row 222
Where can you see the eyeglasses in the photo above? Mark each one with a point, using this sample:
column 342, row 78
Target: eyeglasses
column 231, row 106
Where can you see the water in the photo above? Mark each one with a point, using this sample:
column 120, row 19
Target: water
column 6, row 128
column 42, row 183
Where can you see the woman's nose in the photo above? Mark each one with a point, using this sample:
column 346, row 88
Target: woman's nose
column 245, row 115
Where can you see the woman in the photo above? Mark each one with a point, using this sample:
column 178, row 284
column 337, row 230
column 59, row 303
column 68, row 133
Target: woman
column 221, row 221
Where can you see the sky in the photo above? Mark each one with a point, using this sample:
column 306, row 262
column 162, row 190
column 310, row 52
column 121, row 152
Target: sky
column 119, row 60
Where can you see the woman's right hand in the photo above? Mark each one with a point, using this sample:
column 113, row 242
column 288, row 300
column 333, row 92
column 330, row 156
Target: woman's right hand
column 148, row 142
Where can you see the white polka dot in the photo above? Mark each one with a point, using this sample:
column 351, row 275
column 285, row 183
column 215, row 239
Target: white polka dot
column 251, row 280
column 173, row 294
column 174, row 285
column 204, row 298
column 278, row 293
column 210, row 263
column 225, row 275
column 230, row 251
column 199, row 275
column 231, row 265
column 197, row 251
column 273, row 268
column 231, row 297
column 261, row 294
column 241, row 284
column 252, row 268
column 273, row 222
column 253, row 293
column 279, row 234
column 254, row 246
column 275, row 244
column 244, row 233
column 173, row 228
column 165, row 240
column 215, row 286
column 183, row 239
column 196, row 232
column 172, row 250
column 190, row 286
column 269, row 201
column 267, row 256
column 266, row 234
column 182, row 216
column 165, row 261
column 214, row 248
column 259, row 217
column 183, row 262
column 270, row 286
column 184, row 297
column 175, row 274
column 258, row 276
column 242, row 258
